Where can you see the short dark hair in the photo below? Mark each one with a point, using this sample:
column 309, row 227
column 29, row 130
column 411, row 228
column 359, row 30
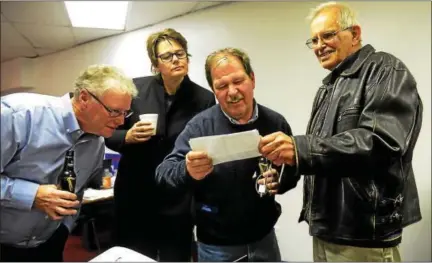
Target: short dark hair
column 166, row 34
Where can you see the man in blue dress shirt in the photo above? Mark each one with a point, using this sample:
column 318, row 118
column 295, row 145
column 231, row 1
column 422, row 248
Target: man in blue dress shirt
column 36, row 131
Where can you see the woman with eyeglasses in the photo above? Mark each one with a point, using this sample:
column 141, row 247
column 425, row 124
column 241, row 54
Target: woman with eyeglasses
column 153, row 221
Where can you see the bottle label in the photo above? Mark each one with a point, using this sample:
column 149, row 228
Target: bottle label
column 69, row 184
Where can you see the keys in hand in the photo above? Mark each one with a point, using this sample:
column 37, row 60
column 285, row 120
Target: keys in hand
column 270, row 180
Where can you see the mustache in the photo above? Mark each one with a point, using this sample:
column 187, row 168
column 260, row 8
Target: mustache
column 235, row 99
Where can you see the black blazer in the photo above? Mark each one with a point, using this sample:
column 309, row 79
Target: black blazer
column 138, row 162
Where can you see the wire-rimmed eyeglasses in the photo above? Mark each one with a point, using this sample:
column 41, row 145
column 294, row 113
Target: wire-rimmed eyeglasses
column 112, row 112
column 326, row 37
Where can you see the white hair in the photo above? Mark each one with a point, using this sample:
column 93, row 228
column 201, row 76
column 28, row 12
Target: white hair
column 96, row 79
column 347, row 16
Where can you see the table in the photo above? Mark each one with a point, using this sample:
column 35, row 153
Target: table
column 97, row 205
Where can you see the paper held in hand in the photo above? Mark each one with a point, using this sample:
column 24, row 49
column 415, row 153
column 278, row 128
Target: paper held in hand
column 121, row 254
column 228, row 147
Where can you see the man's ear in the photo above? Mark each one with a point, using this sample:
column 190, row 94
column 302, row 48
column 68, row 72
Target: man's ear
column 356, row 32
column 252, row 76
column 83, row 97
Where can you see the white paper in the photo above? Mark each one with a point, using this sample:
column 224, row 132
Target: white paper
column 228, row 147
column 94, row 194
column 121, row 254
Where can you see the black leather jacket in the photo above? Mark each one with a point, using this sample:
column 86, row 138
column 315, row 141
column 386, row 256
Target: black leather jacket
column 359, row 186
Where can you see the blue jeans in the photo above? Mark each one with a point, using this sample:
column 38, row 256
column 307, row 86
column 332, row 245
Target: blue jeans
column 266, row 249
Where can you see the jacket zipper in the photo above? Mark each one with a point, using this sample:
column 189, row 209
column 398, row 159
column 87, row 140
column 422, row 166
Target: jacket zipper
column 375, row 209
column 348, row 112
column 311, row 193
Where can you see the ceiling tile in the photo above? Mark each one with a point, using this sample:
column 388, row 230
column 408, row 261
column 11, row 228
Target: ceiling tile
column 45, row 13
column 11, row 37
column 142, row 13
column 51, row 37
column 83, row 35
column 14, row 52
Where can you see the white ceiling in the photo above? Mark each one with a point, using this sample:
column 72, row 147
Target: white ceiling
column 32, row 29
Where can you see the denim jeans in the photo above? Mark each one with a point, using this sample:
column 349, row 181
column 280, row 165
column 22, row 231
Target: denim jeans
column 266, row 249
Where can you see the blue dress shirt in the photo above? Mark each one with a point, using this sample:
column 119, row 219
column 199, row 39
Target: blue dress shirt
column 36, row 132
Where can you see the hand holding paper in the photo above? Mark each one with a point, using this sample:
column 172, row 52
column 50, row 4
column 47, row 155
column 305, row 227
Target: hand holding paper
column 198, row 164
column 228, row 147
column 278, row 148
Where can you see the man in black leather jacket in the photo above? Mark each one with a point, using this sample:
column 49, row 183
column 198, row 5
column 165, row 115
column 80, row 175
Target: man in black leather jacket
column 356, row 157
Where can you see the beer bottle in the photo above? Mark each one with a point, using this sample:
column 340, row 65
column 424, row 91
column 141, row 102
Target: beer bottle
column 68, row 176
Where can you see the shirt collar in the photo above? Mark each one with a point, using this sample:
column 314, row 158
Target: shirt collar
column 253, row 119
column 69, row 118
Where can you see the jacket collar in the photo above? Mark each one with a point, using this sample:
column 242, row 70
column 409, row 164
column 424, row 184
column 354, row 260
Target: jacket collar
column 350, row 65
column 182, row 90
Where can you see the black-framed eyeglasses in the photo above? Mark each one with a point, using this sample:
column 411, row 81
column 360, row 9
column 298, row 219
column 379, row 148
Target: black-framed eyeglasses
column 168, row 56
column 112, row 113
column 326, row 37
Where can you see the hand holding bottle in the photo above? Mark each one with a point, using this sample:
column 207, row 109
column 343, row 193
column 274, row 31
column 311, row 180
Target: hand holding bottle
column 54, row 202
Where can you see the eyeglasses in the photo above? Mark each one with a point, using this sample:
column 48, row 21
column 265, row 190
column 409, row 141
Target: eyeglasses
column 168, row 56
column 112, row 113
column 326, row 37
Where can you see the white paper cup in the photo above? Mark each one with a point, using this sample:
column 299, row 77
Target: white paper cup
column 150, row 117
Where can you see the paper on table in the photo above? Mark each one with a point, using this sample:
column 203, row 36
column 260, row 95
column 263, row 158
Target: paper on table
column 121, row 254
column 228, row 147
column 93, row 194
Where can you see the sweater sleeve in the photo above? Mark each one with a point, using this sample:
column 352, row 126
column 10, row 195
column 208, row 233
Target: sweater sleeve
column 172, row 172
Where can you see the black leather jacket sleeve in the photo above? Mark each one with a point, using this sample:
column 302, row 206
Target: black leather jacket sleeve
column 383, row 132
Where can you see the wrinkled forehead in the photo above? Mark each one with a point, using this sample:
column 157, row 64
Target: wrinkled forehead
column 117, row 99
column 326, row 20
column 224, row 60
column 226, row 64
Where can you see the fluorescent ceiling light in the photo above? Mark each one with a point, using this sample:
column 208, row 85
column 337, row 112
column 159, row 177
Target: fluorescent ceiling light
column 97, row 14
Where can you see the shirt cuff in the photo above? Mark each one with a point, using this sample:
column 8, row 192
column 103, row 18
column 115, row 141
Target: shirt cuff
column 23, row 194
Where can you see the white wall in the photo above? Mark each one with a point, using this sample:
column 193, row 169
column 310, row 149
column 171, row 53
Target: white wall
column 14, row 73
column 287, row 74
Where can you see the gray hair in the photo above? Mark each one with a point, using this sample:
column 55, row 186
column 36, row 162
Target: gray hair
column 347, row 16
column 96, row 77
